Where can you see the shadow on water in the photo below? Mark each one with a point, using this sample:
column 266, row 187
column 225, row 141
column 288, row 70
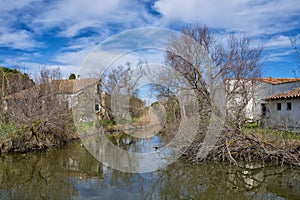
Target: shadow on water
column 72, row 173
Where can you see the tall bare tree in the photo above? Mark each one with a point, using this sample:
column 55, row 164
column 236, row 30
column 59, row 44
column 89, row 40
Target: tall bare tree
column 241, row 70
column 206, row 62
column 120, row 85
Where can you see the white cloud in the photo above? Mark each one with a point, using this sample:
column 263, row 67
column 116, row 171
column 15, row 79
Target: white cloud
column 278, row 56
column 10, row 36
column 269, row 22
column 18, row 39
column 278, row 42
column 145, row 44
column 72, row 57
column 8, row 5
column 22, row 21
column 71, row 17
column 247, row 15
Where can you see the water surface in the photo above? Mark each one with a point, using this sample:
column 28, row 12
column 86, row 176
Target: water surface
column 71, row 172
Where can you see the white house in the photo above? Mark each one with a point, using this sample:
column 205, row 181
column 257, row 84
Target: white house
column 268, row 93
column 283, row 110
column 261, row 94
column 267, row 87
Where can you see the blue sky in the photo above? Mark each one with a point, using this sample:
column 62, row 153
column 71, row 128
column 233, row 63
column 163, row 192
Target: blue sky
column 50, row 33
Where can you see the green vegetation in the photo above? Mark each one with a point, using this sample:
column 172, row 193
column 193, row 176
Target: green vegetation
column 276, row 134
column 34, row 117
column 13, row 81
column 270, row 132
column 251, row 125
column 84, row 126
column 9, row 129
column 72, row 76
column 107, row 123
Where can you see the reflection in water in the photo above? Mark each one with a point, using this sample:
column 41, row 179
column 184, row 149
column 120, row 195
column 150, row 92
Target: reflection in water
column 72, row 173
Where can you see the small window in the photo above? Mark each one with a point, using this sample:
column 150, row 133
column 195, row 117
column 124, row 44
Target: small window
column 289, row 106
column 263, row 109
column 278, row 106
column 97, row 107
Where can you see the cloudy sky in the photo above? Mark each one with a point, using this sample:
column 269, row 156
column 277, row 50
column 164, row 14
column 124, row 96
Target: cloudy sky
column 50, row 33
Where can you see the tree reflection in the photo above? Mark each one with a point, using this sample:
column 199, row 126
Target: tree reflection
column 32, row 178
column 183, row 180
column 45, row 175
column 71, row 172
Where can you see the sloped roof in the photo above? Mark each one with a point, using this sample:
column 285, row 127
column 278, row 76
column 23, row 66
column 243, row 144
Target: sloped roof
column 277, row 81
column 69, row 86
column 65, row 86
column 270, row 80
column 293, row 94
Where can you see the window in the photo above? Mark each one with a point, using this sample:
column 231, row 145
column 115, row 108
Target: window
column 263, row 109
column 289, row 106
column 278, row 106
column 97, row 107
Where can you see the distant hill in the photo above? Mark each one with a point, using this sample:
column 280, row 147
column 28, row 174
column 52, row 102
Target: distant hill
column 12, row 81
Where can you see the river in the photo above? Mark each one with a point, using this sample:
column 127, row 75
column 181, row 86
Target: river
column 70, row 172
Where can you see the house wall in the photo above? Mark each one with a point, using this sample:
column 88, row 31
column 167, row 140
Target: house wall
column 239, row 90
column 258, row 91
column 263, row 90
column 72, row 99
column 284, row 119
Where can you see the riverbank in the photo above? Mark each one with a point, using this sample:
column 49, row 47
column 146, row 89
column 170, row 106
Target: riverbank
column 38, row 135
column 255, row 146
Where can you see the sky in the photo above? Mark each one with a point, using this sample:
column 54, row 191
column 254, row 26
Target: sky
column 61, row 33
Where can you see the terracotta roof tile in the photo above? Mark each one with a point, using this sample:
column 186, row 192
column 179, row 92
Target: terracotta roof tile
column 276, row 81
column 286, row 95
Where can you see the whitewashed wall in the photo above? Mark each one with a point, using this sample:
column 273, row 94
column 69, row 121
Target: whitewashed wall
column 259, row 92
column 285, row 119
column 265, row 90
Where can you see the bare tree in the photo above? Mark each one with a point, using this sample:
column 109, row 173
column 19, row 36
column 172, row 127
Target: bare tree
column 40, row 116
column 206, row 62
column 241, row 70
column 120, row 85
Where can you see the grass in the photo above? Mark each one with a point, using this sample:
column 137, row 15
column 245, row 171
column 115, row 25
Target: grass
column 251, row 125
column 84, row 126
column 107, row 123
column 282, row 134
column 277, row 134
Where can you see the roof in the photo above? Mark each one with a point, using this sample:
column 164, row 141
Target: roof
column 270, row 80
column 65, row 86
column 70, row 86
column 293, row 94
column 277, row 81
